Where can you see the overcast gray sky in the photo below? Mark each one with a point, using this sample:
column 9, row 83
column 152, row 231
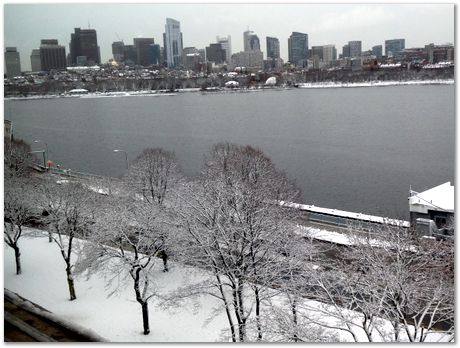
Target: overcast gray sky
column 26, row 24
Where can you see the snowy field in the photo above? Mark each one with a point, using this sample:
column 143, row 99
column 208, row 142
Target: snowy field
column 118, row 318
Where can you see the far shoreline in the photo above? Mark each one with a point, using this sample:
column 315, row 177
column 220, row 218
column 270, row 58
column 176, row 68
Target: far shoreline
column 311, row 85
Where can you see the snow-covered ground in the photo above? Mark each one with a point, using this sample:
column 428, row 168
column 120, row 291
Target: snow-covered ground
column 375, row 83
column 118, row 318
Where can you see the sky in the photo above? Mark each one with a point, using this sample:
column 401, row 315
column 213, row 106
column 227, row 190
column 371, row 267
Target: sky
column 25, row 24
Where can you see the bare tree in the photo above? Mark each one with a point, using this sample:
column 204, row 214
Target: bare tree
column 387, row 276
column 18, row 211
column 235, row 225
column 70, row 215
column 407, row 280
column 17, row 157
column 127, row 240
column 153, row 175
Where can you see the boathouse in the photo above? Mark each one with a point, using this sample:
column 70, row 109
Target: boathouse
column 436, row 204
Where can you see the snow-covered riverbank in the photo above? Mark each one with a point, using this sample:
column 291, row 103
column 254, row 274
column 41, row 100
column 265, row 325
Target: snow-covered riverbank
column 375, row 83
column 118, row 317
column 312, row 85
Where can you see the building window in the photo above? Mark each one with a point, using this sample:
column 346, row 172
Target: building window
column 440, row 221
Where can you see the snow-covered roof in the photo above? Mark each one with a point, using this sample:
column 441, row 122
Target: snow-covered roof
column 232, row 83
column 348, row 214
column 439, row 198
column 271, row 81
column 78, row 90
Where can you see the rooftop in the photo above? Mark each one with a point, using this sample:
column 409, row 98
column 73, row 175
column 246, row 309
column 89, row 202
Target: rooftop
column 440, row 198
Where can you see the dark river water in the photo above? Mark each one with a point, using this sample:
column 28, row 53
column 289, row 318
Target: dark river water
column 356, row 149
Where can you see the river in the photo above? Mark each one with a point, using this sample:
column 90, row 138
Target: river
column 356, row 149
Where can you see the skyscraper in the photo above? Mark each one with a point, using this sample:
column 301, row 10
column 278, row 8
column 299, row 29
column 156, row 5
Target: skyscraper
column 12, row 62
column 298, row 48
column 393, row 48
column 226, row 43
column 346, row 51
column 52, row 55
column 355, row 48
column 215, row 53
column 143, row 50
column 130, row 54
column 173, row 43
column 329, row 53
column 155, row 54
column 35, row 61
column 317, row 51
column 83, row 42
column 118, row 51
column 251, row 41
column 246, row 35
column 273, row 48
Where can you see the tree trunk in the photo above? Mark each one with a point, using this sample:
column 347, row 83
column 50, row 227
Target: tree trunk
column 17, row 255
column 144, row 304
column 227, row 309
column 242, row 321
column 259, row 326
column 145, row 317
column 70, row 282
column 396, row 329
column 294, row 319
column 164, row 257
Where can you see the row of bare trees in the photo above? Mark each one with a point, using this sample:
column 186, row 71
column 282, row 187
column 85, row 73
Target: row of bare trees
column 272, row 282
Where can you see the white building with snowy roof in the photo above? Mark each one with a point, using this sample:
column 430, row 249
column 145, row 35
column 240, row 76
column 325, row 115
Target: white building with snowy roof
column 435, row 204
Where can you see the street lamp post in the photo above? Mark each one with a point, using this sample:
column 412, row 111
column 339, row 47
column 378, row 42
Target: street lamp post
column 46, row 150
column 126, row 157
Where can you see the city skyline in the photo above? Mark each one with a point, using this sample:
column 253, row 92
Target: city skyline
column 335, row 24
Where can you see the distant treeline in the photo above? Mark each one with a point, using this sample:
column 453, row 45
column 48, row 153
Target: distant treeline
column 139, row 83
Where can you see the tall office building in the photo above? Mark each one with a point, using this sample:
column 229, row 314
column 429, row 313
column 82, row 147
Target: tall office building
column 317, row 51
column 251, row 41
column 329, row 53
column 393, row 48
column 298, row 49
column 355, row 48
column 346, row 51
column 130, row 54
column 155, row 54
column 143, row 50
column 173, row 43
column 12, row 62
column 246, row 35
column 226, row 43
column 83, row 43
column 35, row 62
column 248, row 59
column 52, row 55
column 192, row 59
column 377, row 51
column 215, row 53
column 118, row 51
column 273, row 48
